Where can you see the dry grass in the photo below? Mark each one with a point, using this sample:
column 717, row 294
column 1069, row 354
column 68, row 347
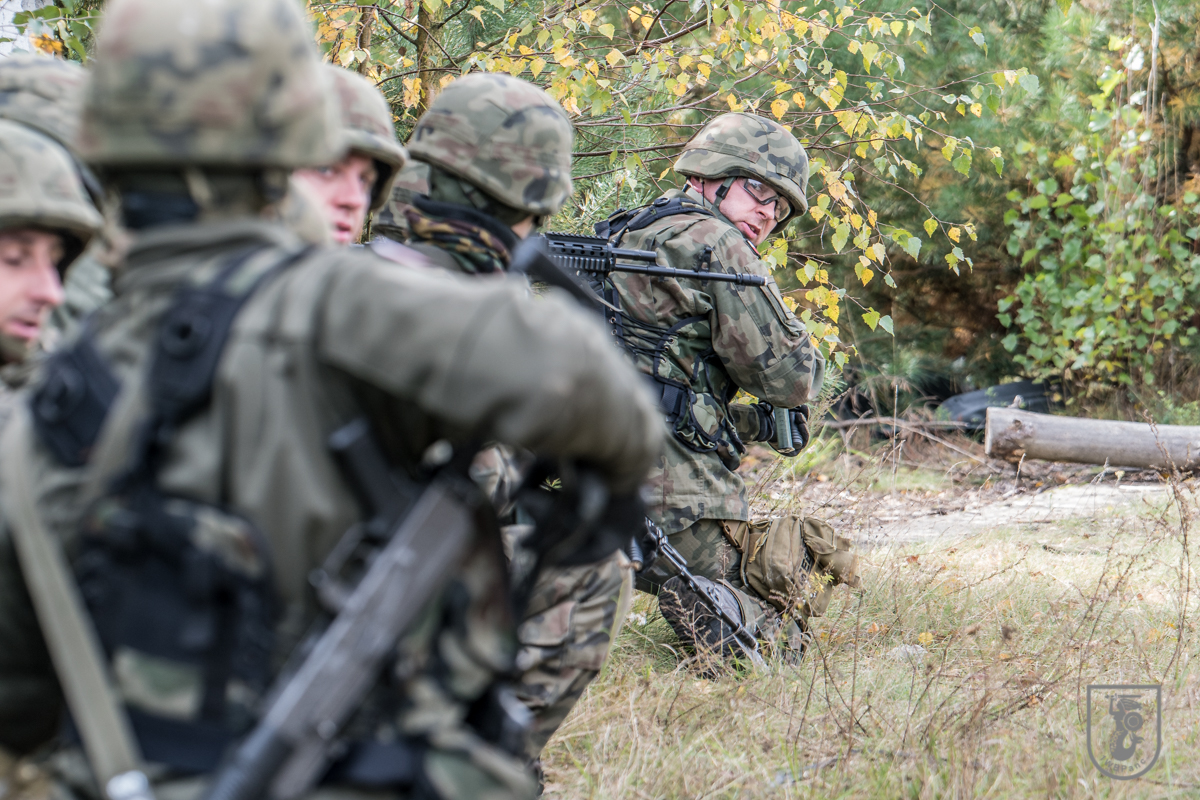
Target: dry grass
column 1015, row 623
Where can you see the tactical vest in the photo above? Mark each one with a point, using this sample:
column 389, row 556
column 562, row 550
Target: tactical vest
column 693, row 399
column 177, row 588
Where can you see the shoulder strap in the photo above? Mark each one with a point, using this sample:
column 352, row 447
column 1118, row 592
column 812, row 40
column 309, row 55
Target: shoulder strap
column 622, row 221
column 74, row 647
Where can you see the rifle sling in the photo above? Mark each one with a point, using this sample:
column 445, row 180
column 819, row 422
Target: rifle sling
column 74, row 646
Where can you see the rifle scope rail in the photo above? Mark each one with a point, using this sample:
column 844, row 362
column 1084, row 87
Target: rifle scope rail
column 595, row 254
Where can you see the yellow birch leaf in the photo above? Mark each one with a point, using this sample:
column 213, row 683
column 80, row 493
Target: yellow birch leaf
column 954, row 234
column 925, row 638
column 646, row 21
column 976, row 108
column 634, row 13
column 874, row 25
column 537, row 65
column 592, row 67
column 477, row 13
column 853, row 46
column 607, row 30
column 525, row 50
column 685, row 62
column 412, row 91
column 512, row 40
column 571, row 105
column 407, row 62
column 798, row 99
column 817, row 213
column 587, row 15
column 866, row 275
column 877, row 251
column 897, row 28
column 870, row 51
column 800, row 27
column 734, row 105
column 819, row 34
column 663, row 174
column 705, row 69
column 614, row 57
column 846, row 121
column 446, row 80
column 856, row 221
column 681, row 88
column 837, row 189
column 876, row 143
column 872, row 218
column 930, row 226
column 832, row 311
column 779, row 107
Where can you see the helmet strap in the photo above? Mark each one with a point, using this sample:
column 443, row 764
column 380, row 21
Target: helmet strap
column 723, row 189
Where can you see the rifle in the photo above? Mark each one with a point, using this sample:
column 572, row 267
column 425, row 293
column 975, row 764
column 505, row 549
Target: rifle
column 742, row 638
column 420, row 537
column 597, row 256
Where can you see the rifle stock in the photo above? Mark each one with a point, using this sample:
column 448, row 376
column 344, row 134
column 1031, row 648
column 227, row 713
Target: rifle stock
column 592, row 254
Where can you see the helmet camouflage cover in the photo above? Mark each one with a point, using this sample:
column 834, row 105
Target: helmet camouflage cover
column 232, row 83
column 42, row 92
column 40, row 188
column 367, row 126
column 751, row 146
column 503, row 135
column 410, row 182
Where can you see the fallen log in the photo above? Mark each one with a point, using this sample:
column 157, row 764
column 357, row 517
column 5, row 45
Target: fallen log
column 1012, row 434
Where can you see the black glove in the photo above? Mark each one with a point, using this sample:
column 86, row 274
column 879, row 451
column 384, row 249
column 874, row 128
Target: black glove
column 798, row 422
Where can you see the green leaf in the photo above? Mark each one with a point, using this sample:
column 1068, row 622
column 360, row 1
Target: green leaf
column 840, row 236
column 1030, row 83
column 885, row 322
column 1041, row 201
column 930, row 226
column 1064, row 6
column 962, row 164
column 913, row 247
column 871, row 318
column 607, row 30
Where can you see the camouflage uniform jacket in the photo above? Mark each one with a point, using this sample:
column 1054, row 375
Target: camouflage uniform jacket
column 425, row 355
column 746, row 338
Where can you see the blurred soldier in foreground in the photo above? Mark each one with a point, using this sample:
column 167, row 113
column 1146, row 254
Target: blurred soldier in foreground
column 43, row 94
column 182, row 448
column 358, row 183
column 494, row 159
column 46, row 220
column 701, row 341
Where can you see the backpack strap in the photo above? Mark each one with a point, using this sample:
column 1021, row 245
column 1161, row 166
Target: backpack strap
column 623, row 221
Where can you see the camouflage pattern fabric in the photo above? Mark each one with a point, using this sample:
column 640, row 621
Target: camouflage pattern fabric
column 757, row 343
column 411, row 182
column 565, row 638
column 477, row 249
column 367, row 121
column 503, row 135
column 44, row 93
column 166, row 100
column 42, row 188
column 751, row 146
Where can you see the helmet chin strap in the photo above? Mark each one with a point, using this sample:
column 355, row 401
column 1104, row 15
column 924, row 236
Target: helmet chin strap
column 721, row 192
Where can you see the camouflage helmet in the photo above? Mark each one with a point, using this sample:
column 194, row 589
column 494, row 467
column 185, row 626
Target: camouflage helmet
column 751, row 146
column 367, row 126
column 40, row 188
column 42, row 92
column 224, row 83
column 411, row 182
column 503, row 135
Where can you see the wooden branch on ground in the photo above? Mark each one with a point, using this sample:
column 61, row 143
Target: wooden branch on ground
column 900, row 422
column 1012, row 434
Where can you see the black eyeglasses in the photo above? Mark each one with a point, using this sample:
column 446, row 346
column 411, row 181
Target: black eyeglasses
column 765, row 195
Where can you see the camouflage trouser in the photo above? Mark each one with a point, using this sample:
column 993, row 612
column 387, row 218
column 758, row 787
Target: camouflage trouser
column 571, row 619
column 710, row 554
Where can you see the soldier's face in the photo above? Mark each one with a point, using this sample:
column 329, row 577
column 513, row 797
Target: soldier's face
column 345, row 192
column 747, row 213
column 29, row 285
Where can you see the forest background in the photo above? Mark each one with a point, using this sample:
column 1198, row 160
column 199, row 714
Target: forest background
column 999, row 189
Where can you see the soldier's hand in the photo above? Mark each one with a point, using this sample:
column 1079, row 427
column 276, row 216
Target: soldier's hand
column 800, row 435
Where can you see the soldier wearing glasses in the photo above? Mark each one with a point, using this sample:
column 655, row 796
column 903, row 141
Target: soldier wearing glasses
column 701, row 341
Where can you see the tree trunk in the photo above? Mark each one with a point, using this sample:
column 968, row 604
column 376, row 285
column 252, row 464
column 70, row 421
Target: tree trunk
column 1011, row 434
column 424, row 26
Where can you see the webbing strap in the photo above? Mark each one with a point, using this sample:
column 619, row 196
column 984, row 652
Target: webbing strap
column 74, row 647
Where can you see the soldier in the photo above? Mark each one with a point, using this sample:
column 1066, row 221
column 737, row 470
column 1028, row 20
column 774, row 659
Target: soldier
column 46, row 220
column 42, row 93
column 493, row 158
column 190, row 502
column 359, row 183
column 702, row 341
